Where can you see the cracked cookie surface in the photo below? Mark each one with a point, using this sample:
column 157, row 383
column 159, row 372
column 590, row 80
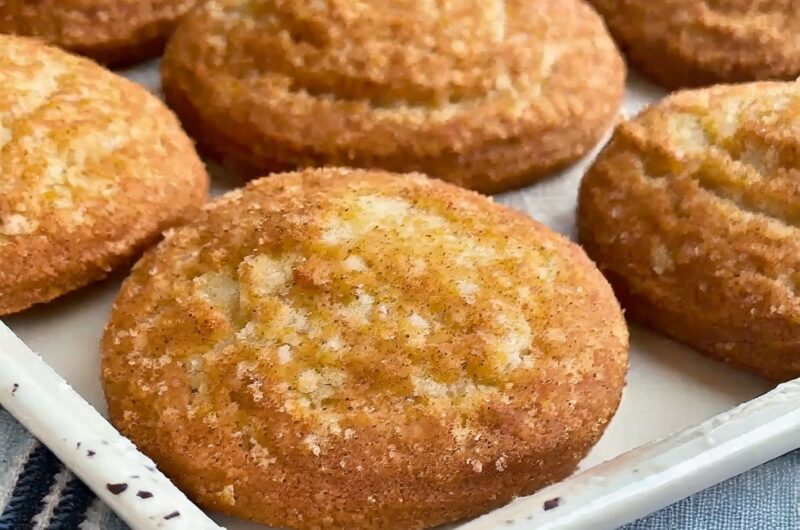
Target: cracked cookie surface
column 693, row 212
column 92, row 169
column 359, row 349
column 490, row 95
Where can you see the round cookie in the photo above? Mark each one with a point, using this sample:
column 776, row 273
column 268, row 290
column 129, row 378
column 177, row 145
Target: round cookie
column 693, row 213
column 355, row 349
column 680, row 43
column 93, row 169
column 486, row 94
column 113, row 32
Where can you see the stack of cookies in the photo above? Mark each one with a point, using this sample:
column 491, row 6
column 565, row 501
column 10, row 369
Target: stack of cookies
column 382, row 346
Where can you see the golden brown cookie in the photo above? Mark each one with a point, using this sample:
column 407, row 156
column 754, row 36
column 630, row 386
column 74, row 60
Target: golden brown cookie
column 111, row 31
column 92, row 169
column 693, row 213
column 681, row 43
column 487, row 94
column 356, row 349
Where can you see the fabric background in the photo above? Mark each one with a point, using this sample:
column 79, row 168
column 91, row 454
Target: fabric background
column 37, row 492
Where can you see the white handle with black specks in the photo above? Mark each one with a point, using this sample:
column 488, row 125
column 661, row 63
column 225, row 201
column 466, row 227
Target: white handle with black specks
column 87, row 444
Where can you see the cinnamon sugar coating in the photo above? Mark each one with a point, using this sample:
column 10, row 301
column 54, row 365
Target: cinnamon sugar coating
column 92, row 169
column 693, row 213
column 680, row 43
column 487, row 94
column 351, row 349
column 110, row 31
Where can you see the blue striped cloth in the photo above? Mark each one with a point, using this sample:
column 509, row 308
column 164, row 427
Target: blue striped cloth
column 37, row 492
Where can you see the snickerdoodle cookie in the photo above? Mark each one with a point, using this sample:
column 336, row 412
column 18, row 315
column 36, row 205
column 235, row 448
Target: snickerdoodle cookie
column 357, row 349
column 110, row 31
column 693, row 212
column 487, row 94
column 92, row 169
column 702, row 42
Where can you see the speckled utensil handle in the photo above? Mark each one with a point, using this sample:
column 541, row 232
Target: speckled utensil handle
column 106, row 461
column 654, row 475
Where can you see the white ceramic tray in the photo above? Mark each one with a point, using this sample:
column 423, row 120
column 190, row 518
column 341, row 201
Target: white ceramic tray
column 670, row 389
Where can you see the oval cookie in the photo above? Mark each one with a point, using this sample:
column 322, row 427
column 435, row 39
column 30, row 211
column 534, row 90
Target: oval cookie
column 110, row 31
column 681, row 43
column 92, row 169
column 351, row 349
column 693, row 213
column 487, row 94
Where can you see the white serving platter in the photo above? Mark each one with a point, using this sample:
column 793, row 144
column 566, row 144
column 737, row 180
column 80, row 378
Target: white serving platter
column 670, row 389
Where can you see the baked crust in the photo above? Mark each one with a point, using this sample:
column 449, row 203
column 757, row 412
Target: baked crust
column 352, row 349
column 685, row 43
column 693, row 213
column 93, row 169
column 490, row 95
column 115, row 32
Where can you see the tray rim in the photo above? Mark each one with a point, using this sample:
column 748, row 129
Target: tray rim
column 606, row 495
